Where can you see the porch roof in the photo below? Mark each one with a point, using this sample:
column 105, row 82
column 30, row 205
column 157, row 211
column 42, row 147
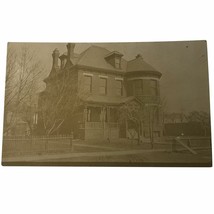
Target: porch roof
column 108, row 100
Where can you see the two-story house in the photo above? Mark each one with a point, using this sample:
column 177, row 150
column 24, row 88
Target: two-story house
column 104, row 81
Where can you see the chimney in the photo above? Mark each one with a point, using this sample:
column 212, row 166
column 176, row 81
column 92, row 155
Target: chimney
column 139, row 56
column 55, row 56
column 70, row 48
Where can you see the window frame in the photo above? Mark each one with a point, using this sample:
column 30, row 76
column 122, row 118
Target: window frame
column 119, row 88
column 105, row 87
column 86, row 89
column 153, row 88
column 134, row 87
column 117, row 62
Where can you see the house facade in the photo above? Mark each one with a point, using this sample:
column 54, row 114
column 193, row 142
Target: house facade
column 104, row 82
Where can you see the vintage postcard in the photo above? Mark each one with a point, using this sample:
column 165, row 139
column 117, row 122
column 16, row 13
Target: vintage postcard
column 107, row 104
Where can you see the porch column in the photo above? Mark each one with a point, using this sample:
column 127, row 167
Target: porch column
column 85, row 115
column 108, row 114
column 102, row 119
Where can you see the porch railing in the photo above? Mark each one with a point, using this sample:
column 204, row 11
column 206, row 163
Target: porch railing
column 100, row 125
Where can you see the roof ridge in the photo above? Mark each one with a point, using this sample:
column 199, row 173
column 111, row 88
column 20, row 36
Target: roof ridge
column 96, row 46
column 131, row 60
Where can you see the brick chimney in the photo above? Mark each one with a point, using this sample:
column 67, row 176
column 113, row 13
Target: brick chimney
column 70, row 50
column 139, row 56
column 55, row 56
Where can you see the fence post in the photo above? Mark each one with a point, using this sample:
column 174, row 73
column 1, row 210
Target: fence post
column 71, row 142
column 31, row 144
column 46, row 144
column 174, row 145
column 189, row 142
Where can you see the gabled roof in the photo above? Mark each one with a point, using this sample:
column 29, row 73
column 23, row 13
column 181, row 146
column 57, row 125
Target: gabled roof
column 114, row 53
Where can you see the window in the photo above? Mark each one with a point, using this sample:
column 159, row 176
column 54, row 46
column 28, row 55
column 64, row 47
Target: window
column 119, row 87
column 153, row 87
column 138, row 89
column 95, row 114
column 117, row 63
column 88, row 83
column 156, row 134
column 130, row 88
column 146, row 134
column 113, row 115
column 103, row 86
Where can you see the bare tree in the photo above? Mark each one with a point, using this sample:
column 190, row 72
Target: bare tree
column 61, row 100
column 202, row 117
column 133, row 113
column 23, row 71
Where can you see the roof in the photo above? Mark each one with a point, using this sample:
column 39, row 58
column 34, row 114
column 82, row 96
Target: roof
column 113, row 53
column 108, row 100
column 66, row 53
column 96, row 57
column 138, row 64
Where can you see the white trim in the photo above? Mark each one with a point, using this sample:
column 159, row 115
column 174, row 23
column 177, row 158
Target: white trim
column 119, row 78
column 142, row 78
column 87, row 74
column 101, row 76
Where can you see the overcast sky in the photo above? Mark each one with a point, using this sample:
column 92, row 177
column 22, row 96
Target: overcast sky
column 184, row 82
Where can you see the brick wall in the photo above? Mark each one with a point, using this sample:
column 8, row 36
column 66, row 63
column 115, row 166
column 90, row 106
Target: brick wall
column 111, row 82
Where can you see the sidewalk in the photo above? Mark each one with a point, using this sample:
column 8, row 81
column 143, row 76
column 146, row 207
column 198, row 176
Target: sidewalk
column 38, row 158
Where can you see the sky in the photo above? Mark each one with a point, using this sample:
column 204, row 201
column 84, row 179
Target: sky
column 184, row 81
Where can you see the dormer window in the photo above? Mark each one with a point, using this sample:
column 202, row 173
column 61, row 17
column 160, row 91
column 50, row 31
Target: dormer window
column 117, row 63
column 114, row 58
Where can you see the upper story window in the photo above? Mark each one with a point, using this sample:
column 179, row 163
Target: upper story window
column 103, row 86
column 154, row 87
column 87, row 83
column 138, row 87
column 119, row 87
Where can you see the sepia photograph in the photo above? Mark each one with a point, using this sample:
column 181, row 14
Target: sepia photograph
column 106, row 107
column 107, row 104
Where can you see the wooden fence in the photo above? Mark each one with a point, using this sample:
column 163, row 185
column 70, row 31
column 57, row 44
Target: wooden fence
column 190, row 143
column 22, row 145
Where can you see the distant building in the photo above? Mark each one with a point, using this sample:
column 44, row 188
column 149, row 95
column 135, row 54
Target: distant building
column 174, row 118
column 21, row 120
column 109, row 81
column 15, row 125
column 176, row 124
